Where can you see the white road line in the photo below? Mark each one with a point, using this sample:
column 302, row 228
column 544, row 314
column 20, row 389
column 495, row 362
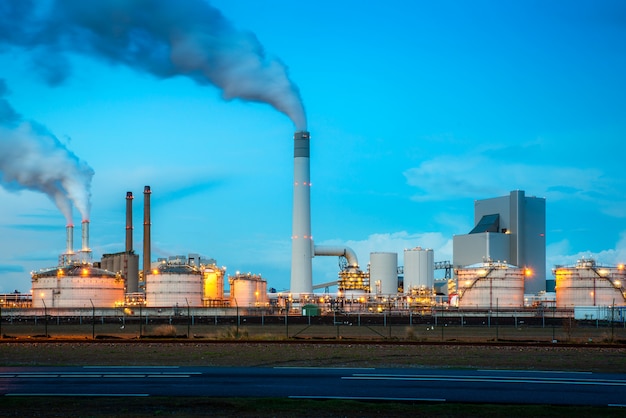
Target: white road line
column 531, row 371
column 126, row 395
column 324, row 368
column 370, row 398
column 491, row 380
column 131, row 367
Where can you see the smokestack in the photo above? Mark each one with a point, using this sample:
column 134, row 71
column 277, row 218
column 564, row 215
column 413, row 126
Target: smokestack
column 85, row 230
column 70, row 239
column 146, row 231
column 129, row 222
column 301, row 239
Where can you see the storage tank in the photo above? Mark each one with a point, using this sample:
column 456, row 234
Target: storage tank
column 419, row 269
column 490, row 285
column 212, row 285
column 77, row 286
column 588, row 284
column 247, row 291
column 384, row 273
column 174, row 284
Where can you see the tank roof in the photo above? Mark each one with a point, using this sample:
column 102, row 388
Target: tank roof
column 74, row 270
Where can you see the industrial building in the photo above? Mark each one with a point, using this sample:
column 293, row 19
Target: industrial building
column 498, row 263
column 508, row 229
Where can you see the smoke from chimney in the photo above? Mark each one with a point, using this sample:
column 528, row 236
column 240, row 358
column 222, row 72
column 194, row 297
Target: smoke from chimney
column 33, row 158
column 164, row 38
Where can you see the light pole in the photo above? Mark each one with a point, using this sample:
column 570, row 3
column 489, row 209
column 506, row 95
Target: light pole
column 45, row 314
column 237, row 311
column 188, row 319
column 93, row 320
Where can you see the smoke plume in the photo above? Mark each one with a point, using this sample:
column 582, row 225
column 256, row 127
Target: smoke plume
column 33, row 158
column 165, row 38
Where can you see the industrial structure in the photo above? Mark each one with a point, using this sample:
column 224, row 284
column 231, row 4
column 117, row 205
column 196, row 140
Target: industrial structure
column 498, row 264
column 589, row 284
column 509, row 229
column 489, row 285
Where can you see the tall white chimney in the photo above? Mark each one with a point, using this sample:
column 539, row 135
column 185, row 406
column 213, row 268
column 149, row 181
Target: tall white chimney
column 301, row 239
column 85, row 231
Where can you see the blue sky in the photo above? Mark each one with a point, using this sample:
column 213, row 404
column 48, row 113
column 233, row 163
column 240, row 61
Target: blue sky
column 415, row 110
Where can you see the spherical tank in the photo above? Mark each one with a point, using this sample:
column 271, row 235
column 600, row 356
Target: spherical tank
column 248, row 291
column 384, row 273
column 76, row 286
column 587, row 284
column 174, row 285
column 491, row 286
column 419, row 269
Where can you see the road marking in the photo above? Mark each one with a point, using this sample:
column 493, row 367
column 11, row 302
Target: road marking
column 487, row 379
column 531, row 371
column 126, row 395
column 131, row 367
column 370, row 398
column 323, row 368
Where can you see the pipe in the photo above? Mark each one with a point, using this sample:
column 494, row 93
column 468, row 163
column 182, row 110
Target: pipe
column 301, row 239
column 70, row 239
column 129, row 222
column 323, row 250
column 146, row 231
column 85, row 230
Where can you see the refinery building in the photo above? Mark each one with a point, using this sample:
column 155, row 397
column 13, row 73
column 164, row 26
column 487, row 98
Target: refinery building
column 500, row 263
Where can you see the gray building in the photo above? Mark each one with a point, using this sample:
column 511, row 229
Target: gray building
column 508, row 229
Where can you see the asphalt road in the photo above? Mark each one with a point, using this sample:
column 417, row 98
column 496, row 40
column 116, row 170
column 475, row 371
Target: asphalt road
column 426, row 385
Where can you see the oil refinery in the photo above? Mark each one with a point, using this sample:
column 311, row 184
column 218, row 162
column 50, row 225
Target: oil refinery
column 500, row 264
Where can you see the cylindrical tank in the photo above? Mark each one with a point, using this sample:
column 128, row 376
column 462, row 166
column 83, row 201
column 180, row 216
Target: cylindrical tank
column 490, row 285
column 419, row 269
column 384, row 273
column 212, row 284
column 587, row 284
column 171, row 285
column 247, row 291
column 77, row 286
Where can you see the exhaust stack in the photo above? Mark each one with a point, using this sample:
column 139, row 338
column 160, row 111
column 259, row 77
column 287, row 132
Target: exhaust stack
column 129, row 222
column 70, row 239
column 301, row 239
column 146, row 231
column 85, row 230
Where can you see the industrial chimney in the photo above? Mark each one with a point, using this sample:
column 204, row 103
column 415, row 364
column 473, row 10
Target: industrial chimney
column 146, row 231
column 85, row 231
column 70, row 239
column 129, row 222
column 301, row 239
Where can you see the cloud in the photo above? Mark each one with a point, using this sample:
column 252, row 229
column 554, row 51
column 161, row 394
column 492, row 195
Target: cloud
column 478, row 175
column 11, row 269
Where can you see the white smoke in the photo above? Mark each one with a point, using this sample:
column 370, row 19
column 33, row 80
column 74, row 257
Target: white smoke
column 33, row 158
column 165, row 38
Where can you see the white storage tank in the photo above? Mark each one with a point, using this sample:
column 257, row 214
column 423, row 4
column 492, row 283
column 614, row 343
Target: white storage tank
column 384, row 273
column 174, row 284
column 77, row 286
column 419, row 269
column 588, row 284
column 490, row 285
column 247, row 291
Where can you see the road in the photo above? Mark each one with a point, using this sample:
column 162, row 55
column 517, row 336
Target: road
column 409, row 384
